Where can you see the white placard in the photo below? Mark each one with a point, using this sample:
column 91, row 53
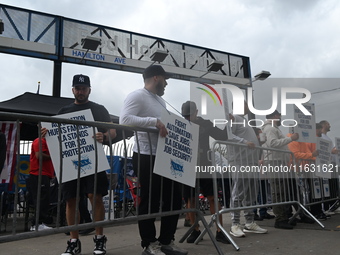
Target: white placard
column 176, row 155
column 316, row 188
column 323, row 160
column 70, row 147
column 337, row 145
column 305, row 124
column 326, row 191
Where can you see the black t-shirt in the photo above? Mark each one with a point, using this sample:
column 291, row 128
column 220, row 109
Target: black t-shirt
column 99, row 112
column 206, row 129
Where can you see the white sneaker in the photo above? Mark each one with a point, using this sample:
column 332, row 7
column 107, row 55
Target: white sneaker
column 236, row 231
column 254, row 228
column 42, row 226
column 153, row 249
column 172, row 249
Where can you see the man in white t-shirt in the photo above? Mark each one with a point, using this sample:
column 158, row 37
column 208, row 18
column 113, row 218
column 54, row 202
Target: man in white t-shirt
column 142, row 108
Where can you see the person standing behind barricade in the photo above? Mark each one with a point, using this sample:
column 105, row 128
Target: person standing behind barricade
column 244, row 189
column 81, row 89
column 142, row 108
column 316, row 209
column 305, row 155
column 206, row 129
column 263, row 187
column 276, row 140
column 32, row 182
column 334, row 181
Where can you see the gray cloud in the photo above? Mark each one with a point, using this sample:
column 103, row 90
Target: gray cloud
column 291, row 39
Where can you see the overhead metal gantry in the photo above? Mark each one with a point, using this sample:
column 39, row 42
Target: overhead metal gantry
column 63, row 40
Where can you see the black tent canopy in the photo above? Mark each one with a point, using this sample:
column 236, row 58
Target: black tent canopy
column 31, row 103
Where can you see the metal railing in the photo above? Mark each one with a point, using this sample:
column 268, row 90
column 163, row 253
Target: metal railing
column 123, row 203
column 244, row 175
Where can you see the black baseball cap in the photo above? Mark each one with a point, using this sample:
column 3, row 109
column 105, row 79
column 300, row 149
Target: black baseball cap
column 269, row 116
column 155, row 70
column 81, row 80
column 188, row 108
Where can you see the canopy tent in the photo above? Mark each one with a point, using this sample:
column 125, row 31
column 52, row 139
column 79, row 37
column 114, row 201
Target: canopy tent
column 31, row 103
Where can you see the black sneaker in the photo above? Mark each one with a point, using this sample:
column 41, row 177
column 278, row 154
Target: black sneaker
column 284, row 224
column 193, row 236
column 220, row 237
column 257, row 217
column 73, row 248
column 100, row 245
column 187, row 223
column 293, row 222
column 267, row 216
column 321, row 216
column 306, row 219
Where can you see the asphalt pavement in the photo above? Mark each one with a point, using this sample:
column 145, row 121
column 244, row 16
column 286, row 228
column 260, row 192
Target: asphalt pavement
column 124, row 240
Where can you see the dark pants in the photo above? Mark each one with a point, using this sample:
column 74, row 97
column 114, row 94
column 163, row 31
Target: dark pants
column 171, row 200
column 333, row 190
column 279, row 189
column 32, row 186
column 315, row 209
column 262, row 197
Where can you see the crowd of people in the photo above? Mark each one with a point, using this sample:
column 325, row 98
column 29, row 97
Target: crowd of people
column 142, row 108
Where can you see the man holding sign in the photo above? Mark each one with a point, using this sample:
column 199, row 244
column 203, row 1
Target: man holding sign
column 81, row 89
column 143, row 108
column 333, row 181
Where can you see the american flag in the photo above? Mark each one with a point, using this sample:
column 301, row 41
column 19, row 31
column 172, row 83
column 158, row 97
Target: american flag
column 10, row 131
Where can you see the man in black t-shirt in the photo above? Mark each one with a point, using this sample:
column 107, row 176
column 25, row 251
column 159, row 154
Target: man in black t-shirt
column 81, row 89
column 206, row 129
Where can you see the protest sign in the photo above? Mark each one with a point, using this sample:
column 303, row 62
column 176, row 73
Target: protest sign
column 323, row 160
column 326, row 190
column 70, row 149
column 305, row 124
column 176, row 154
column 337, row 145
column 316, row 191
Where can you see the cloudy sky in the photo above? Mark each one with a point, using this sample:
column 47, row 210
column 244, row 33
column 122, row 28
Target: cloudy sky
column 296, row 40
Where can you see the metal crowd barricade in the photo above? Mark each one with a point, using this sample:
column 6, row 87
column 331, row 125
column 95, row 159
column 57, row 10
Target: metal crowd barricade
column 316, row 190
column 15, row 227
column 256, row 170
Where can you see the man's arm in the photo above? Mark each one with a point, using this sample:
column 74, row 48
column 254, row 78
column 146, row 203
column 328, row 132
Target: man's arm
column 130, row 115
column 275, row 140
column 103, row 136
column 44, row 155
column 295, row 148
column 44, row 149
column 131, row 110
column 236, row 138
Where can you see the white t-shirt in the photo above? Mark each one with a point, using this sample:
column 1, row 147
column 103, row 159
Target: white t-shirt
column 142, row 108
